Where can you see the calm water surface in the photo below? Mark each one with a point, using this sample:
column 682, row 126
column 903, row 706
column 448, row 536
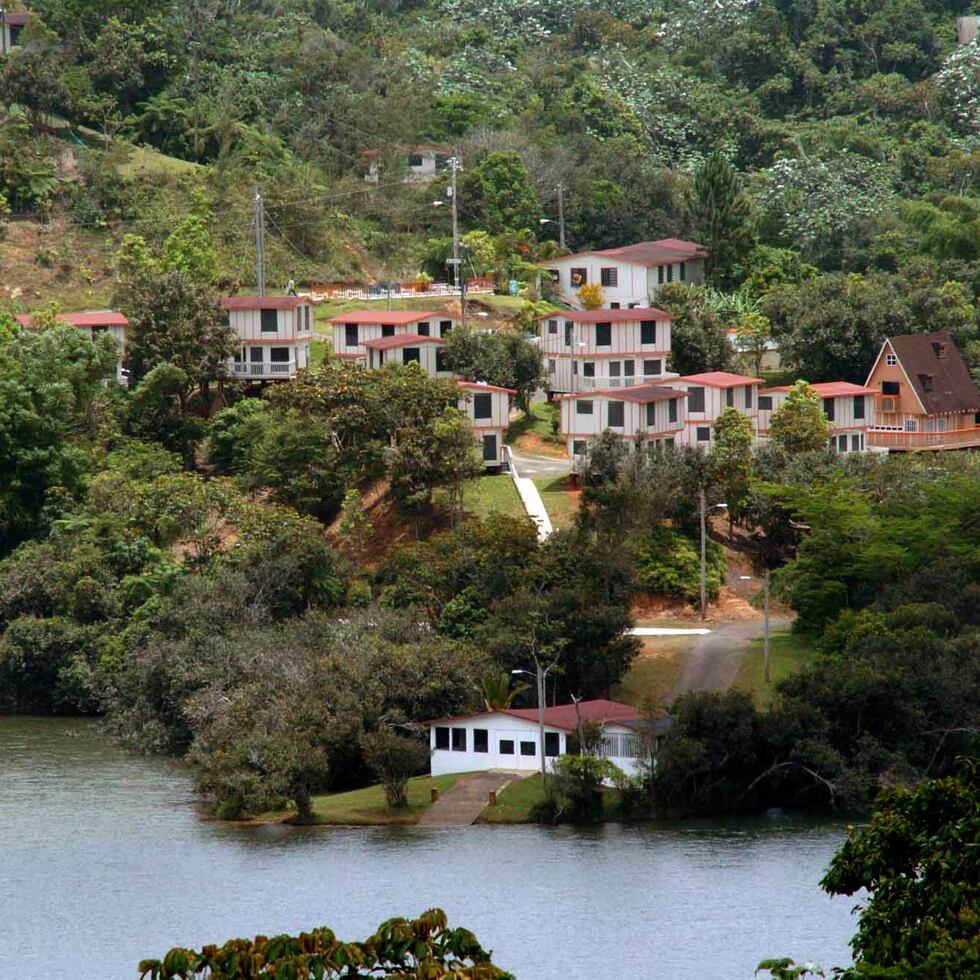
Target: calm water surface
column 104, row 861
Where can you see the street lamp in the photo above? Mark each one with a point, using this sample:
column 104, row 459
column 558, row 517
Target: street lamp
column 703, row 509
column 765, row 610
column 540, row 675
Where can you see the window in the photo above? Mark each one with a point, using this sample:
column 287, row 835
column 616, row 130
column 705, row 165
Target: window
column 842, row 444
column 704, row 433
column 551, row 744
column 609, row 277
column 568, row 333
column 616, row 415
column 672, row 410
column 765, row 403
column 603, row 334
column 255, row 355
column 614, row 306
column 748, row 396
column 415, row 159
column 490, row 448
column 459, row 740
column 588, row 369
column 580, row 277
column 629, row 368
column 890, row 387
column 279, row 355
column 445, row 328
column 682, row 271
column 670, row 273
column 529, row 748
column 441, row 364
column 729, row 397
column 411, row 354
column 583, row 407
column 552, row 366
column 910, row 425
column 652, row 368
column 859, row 406
column 483, row 406
column 388, row 331
column 855, row 443
column 651, row 414
column 481, row 740
column 442, row 737
column 940, row 350
column 669, row 443
column 423, row 329
column 309, row 317
column 615, row 369
column 695, row 399
column 926, row 381
column 350, row 334
column 553, row 326
column 269, row 320
column 648, row 332
column 660, row 274
column 506, row 746
column 578, row 447
column 891, row 360
column 828, row 409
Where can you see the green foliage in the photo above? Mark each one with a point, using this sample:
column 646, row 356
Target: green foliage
column 394, row 759
column 573, row 793
column 499, row 194
column 503, row 358
column 668, row 563
column 699, row 339
column 799, row 424
column 424, row 948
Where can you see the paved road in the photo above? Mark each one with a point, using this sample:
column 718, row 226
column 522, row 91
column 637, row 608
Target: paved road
column 713, row 661
column 538, row 466
column 463, row 803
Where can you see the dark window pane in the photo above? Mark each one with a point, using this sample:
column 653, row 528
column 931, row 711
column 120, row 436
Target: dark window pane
column 551, row 743
column 350, row 334
column 423, row 329
column 609, row 277
column 672, row 410
column 482, row 406
column 388, row 331
column 529, row 748
column 552, row 326
column 279, row 355
column 765, row 403
column 490, row 449
column 704, row 433
column 889, row 387
column 506, row 746
column 459, row 740
column 588, row 369
column 748, row 396
column 269, row 321
column 859, row 406
column 442, row 737
column 616, row 415
column 583, row 407
column 411, row 354
column 445, row 328
column 652, row 368
column 603, row 334
column 481, row 740
column 441, row 364
column 648, row 332
column 651, row 413
column 828, row 408
column 695, row 399
column 730, row 397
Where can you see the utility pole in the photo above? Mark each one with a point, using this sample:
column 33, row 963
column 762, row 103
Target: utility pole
column 544, row 773
column 561, row 215
column 259, row 220
column 457, row 263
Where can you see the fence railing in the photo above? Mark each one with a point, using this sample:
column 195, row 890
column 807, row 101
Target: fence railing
column 398, row 290
column 952, row 439
column 264, row 369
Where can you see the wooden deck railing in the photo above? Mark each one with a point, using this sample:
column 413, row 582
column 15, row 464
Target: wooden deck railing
column 911, row 441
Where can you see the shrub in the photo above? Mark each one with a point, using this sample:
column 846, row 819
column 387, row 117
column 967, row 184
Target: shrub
column 668, row 563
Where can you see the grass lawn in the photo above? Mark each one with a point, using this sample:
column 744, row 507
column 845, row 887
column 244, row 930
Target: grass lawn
column 148, row 161
column 493, row 494
column 788, row 653
column 317, row 352
column 537, row 423
column 654, row 672
column 367, row 806
column 560, row 499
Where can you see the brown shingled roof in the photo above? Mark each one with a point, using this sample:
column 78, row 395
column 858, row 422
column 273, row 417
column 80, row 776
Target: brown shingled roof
column 952, row 388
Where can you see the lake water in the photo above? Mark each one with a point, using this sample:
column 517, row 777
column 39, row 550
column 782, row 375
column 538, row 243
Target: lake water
column 103, row 861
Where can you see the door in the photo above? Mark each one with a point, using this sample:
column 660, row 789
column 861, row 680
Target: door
column 490, row 449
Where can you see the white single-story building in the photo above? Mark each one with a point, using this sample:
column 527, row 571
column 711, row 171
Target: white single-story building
column 509, row 737
column 488, row 409
column 274, row 334
column 93, row 323
column 416, row 164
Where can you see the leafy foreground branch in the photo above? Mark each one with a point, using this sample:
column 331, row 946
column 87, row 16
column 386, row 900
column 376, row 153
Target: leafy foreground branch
column 424, row 948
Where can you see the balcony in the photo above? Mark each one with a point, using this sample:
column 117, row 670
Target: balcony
column 624, row 381
column 900, row 441
column 265, row 369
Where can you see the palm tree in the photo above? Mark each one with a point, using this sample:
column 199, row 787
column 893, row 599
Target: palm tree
column 499, row 690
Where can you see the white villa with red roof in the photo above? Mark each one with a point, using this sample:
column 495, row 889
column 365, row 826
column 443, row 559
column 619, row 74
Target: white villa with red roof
column 849, row 408
column 274, row 333
column 589, row 350
column 93, row 323
column 510, row 737
column 488, row 409
column 408, row 348
column 352, row 330
column 708, row 395
column 630, row 275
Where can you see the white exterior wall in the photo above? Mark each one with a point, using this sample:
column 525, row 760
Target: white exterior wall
column 844, row 426
column 503, row 727
column 636, row 284
column 396, row 355
column 375, row 331
column 569, row 375
column 254, row 357
column 496, row 425
column 693, row 275
column 715, row 402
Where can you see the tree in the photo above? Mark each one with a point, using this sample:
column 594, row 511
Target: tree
column 731, row 458
column 591, row 296
column 502, row 357
column 753, row 332
column 699, row 336
column 354, row 527
column 498, row 193
column 422, row 947
column 918, row 861
column 31, row 77
column 721, row 218
column 799, row 424
column 394, row 759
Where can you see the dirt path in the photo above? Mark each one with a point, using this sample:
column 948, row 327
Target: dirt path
column 713, row 661
column 465, row 801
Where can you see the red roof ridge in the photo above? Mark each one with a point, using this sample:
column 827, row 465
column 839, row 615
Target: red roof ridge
column 263, row 302
column 400, row 340
column 389, row 318
column 635, row 315
column 720, row 379
column 564, row 716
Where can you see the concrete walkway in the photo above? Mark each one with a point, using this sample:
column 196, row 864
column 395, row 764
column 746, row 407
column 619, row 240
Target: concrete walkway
column 465, row 801
column 530, row 498
column 540, row 466
column 667, row 631
column 712, row 663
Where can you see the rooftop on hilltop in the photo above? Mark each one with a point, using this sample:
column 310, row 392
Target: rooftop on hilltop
column 263, row 302
column 934, row 356
column 388, row 318
column 637, row 314
column 660, row 252
column 720, row 379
